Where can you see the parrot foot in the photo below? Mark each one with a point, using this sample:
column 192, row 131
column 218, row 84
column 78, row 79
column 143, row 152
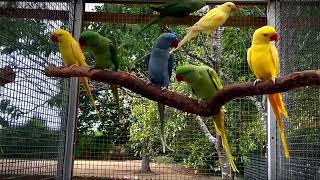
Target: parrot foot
column 107, row 69
column 257, row 81
column 90, row 69
column 148, row 83
column 163, row 88
column 199, row 100
column 70, row 67
column 274, row 80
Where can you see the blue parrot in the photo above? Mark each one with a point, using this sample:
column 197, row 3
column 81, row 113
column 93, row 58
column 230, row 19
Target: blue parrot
column 160, row 65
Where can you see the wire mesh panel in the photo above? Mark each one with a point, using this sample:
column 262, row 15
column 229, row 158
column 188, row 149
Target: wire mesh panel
column 33, row 107
column 299, row 25
column 130, row 148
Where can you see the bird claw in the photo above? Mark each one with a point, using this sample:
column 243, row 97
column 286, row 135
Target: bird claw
column 70, row 67
column 274, row 80
column 148, row 83
column 91, row 68
column 199, row 100
column 163, row 88
column 257, row 81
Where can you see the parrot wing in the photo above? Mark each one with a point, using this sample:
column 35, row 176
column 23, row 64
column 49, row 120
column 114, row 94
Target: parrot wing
column 208, row 20
column 169, row 6
column 160, row 7
column 216, row 81
column 249, row 59
column 146, row 61
column 78, row 54
column 171, row 65
column 275, row 58
column 114, row 58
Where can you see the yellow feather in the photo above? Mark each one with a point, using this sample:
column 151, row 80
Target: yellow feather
column 219, row 126
column 263, row 60
column 215, row 18
column 72, row 55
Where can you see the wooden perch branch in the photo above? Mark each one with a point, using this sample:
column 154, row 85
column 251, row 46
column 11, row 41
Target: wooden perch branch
column 183, row 103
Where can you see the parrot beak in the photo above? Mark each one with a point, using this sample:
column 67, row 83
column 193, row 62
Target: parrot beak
column 174, row 44
column 274, row 37
column 179, row 78
column 54, row 39
column 233, row 8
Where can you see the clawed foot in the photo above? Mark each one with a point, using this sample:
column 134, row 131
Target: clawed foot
column 70, row 67
column 91, row 68
column 274, row 80
column 148, row 83
column 257, row 81
column 163, row 88
column 199, row 100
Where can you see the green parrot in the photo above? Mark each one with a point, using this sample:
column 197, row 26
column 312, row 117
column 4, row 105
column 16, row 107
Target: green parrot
column 105, row 56
column 174, row 8
column 205, row 83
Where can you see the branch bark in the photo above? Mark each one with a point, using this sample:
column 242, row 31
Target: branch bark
column 206, row 108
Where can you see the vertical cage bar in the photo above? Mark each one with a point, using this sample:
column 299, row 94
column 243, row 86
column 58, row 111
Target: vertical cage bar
column 271, row 125
column 73, row 100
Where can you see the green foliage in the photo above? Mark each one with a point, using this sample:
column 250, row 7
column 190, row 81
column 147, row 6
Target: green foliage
column 8, row 113
column 33, row 140
column 93, row 147
column 164, row 160
column 242, row 114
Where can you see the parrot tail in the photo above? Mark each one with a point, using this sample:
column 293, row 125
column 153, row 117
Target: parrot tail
column 85, row 83
column 115, row 92
column 154, row 21
column 161, row 108
column 219, row 126
column 278, row 108
column 191, row 34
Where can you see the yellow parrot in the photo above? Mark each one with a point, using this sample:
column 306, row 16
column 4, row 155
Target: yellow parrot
column 263, row 61
column 72, row 55
column 215, row 18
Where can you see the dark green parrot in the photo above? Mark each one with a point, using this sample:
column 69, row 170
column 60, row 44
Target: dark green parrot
column 104, row 54
column 175, row 8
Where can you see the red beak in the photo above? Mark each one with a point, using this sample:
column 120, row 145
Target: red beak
column 174, row 44
column 54, row 39
column 274, row 37
column 179, row 78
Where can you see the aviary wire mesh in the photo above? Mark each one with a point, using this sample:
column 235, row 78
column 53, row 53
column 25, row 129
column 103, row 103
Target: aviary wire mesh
column 117, row 150
column 298, row 22
column 33, row 107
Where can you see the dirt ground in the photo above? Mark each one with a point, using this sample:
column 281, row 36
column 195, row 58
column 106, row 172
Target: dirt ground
column 90, row 170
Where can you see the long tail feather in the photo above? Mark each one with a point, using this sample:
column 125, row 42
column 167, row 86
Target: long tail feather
column 161, row 108
column 84, row 81
column 219, row 126
column 278, row 107
column 154, row 21
column 191, row 34
column 115, row 92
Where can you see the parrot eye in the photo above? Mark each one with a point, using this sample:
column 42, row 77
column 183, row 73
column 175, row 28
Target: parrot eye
column 264, row 35
column 229, row 5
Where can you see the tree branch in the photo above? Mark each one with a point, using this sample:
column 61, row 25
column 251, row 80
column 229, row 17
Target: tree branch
column 206, row 108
